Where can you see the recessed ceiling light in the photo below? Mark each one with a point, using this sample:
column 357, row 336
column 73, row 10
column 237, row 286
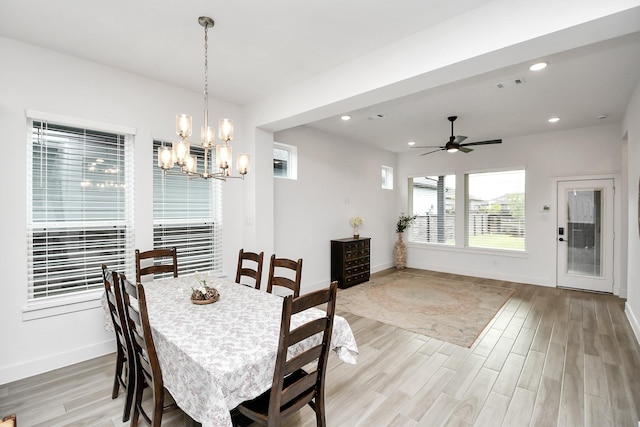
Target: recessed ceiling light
column 345, row 117
column 554, row 119
column 539, row 66
column 411, row 143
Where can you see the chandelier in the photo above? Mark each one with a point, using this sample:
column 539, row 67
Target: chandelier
column 179, row 154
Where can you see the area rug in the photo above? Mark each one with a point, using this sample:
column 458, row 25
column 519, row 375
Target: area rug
column 455, row 311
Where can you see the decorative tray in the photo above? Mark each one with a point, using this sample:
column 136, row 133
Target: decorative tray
column 204, row 295
column 205, row 301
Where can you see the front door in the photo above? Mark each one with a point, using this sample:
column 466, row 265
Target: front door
column 585, row 234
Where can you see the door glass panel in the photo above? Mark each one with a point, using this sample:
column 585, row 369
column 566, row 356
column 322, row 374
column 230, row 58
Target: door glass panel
column 584, row 224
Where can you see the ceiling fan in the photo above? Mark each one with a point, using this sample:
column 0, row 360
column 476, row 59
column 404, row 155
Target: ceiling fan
column 454, row 143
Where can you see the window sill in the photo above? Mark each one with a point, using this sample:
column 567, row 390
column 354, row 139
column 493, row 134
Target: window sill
column 61, row 305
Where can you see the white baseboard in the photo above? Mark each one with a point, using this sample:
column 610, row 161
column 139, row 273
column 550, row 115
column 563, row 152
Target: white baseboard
column 34, row 367
column 633, row 320
column 495, row 275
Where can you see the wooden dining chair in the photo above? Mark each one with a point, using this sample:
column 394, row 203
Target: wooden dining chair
column 148, row 373
column 294, row 387
column 285, row 273
column 160, row 265
column 125, row 366
column 247, row 260
column 9, row 421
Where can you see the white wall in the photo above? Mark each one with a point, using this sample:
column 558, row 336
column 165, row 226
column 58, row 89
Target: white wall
column 337, row 180
column 42, row 80
column 632, row 127
column 546, row 157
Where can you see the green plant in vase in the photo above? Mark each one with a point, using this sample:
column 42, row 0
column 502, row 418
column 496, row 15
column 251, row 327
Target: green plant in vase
column 400, row 248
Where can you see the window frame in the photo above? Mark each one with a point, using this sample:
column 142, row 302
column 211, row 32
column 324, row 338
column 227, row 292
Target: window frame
column 467, row 211
column 447, row 230
column 292, row 160
column 387, row 172
column 77, row 299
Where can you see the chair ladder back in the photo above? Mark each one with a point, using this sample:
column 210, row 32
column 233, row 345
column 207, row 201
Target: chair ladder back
column 275, row 279
column 246, row 271
column 292, row 386
column 159, row 257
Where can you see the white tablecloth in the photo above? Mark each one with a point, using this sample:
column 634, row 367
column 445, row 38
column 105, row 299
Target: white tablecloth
column 215, row 356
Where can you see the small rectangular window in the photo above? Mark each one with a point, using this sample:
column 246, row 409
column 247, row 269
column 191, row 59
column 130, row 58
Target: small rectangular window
column 496, row 210
column 387, row 177
column 433, row 201
column 285, row 161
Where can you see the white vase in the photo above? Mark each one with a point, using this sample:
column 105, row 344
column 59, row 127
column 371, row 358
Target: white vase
column 400, row 253
column 356, row 233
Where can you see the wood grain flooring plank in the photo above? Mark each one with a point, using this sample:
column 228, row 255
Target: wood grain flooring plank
column 499, row 354
column 554, row 362
column 520, row 408
column 508, row 377
column 464, row 376
column 532, row 371
column 595, row 378
column 597, row 412
column 487, row 343
column 547, row 404
column 514, row 327
column 473, row 400
column 523, row 342
column 424, row 399
column 422, row 375
column 439, row 413
column 493, row 411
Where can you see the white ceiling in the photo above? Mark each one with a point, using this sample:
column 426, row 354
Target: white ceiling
column 259, row 47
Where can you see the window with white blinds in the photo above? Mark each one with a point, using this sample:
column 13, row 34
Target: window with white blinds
column 433, row 201
column 187, row 214
column 80, row 204
column 496, row 210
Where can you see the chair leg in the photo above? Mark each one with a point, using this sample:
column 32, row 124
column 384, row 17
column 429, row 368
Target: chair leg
column 118, row 374
column 158, row 403
column 137, row 401
column 128, row 403
column 319, row 408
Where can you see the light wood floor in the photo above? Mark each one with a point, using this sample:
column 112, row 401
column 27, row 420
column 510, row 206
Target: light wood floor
column 550, row 357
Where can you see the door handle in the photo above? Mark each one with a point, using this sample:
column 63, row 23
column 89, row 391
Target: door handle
column 561, row 239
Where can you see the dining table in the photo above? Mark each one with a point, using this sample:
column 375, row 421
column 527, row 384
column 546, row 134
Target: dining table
column 215, row 356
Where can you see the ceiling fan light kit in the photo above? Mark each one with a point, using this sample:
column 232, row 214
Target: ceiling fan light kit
column 455, row 142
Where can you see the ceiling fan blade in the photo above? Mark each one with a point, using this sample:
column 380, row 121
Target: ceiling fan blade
column 459, row 138
column 434, row 151
column 428, row 146
column 465, row 150
column 492, row 141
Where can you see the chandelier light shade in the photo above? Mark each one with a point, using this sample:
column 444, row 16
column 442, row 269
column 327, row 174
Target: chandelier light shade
column 180, row 155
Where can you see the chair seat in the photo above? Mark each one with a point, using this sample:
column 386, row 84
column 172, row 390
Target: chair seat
column 260, row 405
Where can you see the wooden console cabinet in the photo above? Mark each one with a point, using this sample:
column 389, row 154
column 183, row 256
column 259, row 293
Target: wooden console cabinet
column 350, row 261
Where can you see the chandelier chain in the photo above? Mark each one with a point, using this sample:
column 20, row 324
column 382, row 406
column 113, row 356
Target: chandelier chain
column 206, row 75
